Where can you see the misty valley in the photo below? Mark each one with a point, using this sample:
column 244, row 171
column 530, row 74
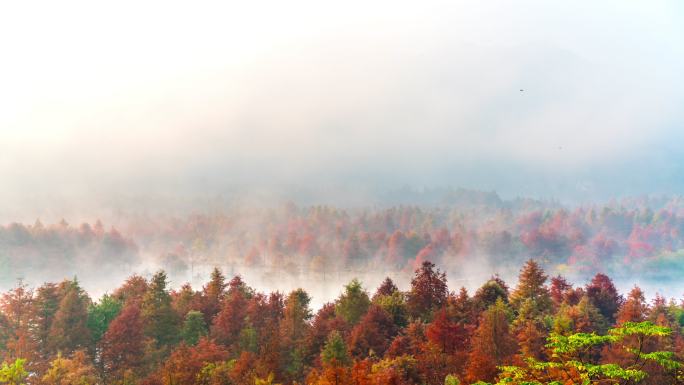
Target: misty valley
column 471, row 289
column 306, row 192
column 470, row 234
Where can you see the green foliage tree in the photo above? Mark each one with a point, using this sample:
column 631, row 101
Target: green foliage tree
column 249, row 339
column 14, row 373
column 101, row 314
column 353, row 303
column 490, row 292
column 160, row 320
column 450, row 379
column 293, row 329
column 335, row 350
column 573, row 362
column 216, row 373
column 194, row 327
column 265, row 381
column 395, row 305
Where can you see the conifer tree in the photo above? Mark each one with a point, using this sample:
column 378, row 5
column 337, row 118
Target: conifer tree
column 353, row 303
column 531, row 288
column 69, row 330
column 492, row 344
column 231, row 319
column 185, row 299
column 603, row 294
column 428, row 291
column 45, row 305
column 373, row 334
column 489, row 293
column 193, row 327
column 21, row 343
column 133, row 289
column 634, row 308
column 213, row 294
column 101, row 314
column 387, row 287
column 335, row 350
column 161, row 323
column 559, row 290
column 123, row 343
column 293, row 330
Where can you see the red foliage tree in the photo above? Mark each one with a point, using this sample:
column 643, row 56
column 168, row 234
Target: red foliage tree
column 373, row 334
column 123, row 345
column 428, row 291
column 492, row 345
column 185, row 363
column 603, row 294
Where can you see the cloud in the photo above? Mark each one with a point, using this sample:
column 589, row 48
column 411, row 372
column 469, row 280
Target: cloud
column 161, row 99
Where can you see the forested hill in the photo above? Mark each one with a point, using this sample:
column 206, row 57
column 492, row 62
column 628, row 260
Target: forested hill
column 540, row 331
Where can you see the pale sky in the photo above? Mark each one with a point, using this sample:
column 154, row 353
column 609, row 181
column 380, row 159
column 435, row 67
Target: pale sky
column 123, row 98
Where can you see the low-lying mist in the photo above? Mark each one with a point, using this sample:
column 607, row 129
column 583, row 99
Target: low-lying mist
column 471, row 235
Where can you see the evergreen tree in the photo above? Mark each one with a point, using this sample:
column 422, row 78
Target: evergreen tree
column 101, row 314
column 587, row 318
column 194, row 327
column 489, row 293
column 395, row 305
column 160, row 321
column 293, row 330
column 353, row 303
column 335, row 350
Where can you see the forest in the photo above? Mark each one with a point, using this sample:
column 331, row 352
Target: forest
column 342, row 193
column 542, row 330
column 470, row 234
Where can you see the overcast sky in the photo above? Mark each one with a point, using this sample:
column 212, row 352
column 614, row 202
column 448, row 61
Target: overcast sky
column 543, row 98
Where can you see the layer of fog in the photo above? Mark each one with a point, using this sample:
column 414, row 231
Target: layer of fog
column 322, row 104
column 327, row 287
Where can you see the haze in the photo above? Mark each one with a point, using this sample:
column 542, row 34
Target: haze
column 156, row 101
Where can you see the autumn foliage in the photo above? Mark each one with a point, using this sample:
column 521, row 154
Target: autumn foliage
column 227, row 333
